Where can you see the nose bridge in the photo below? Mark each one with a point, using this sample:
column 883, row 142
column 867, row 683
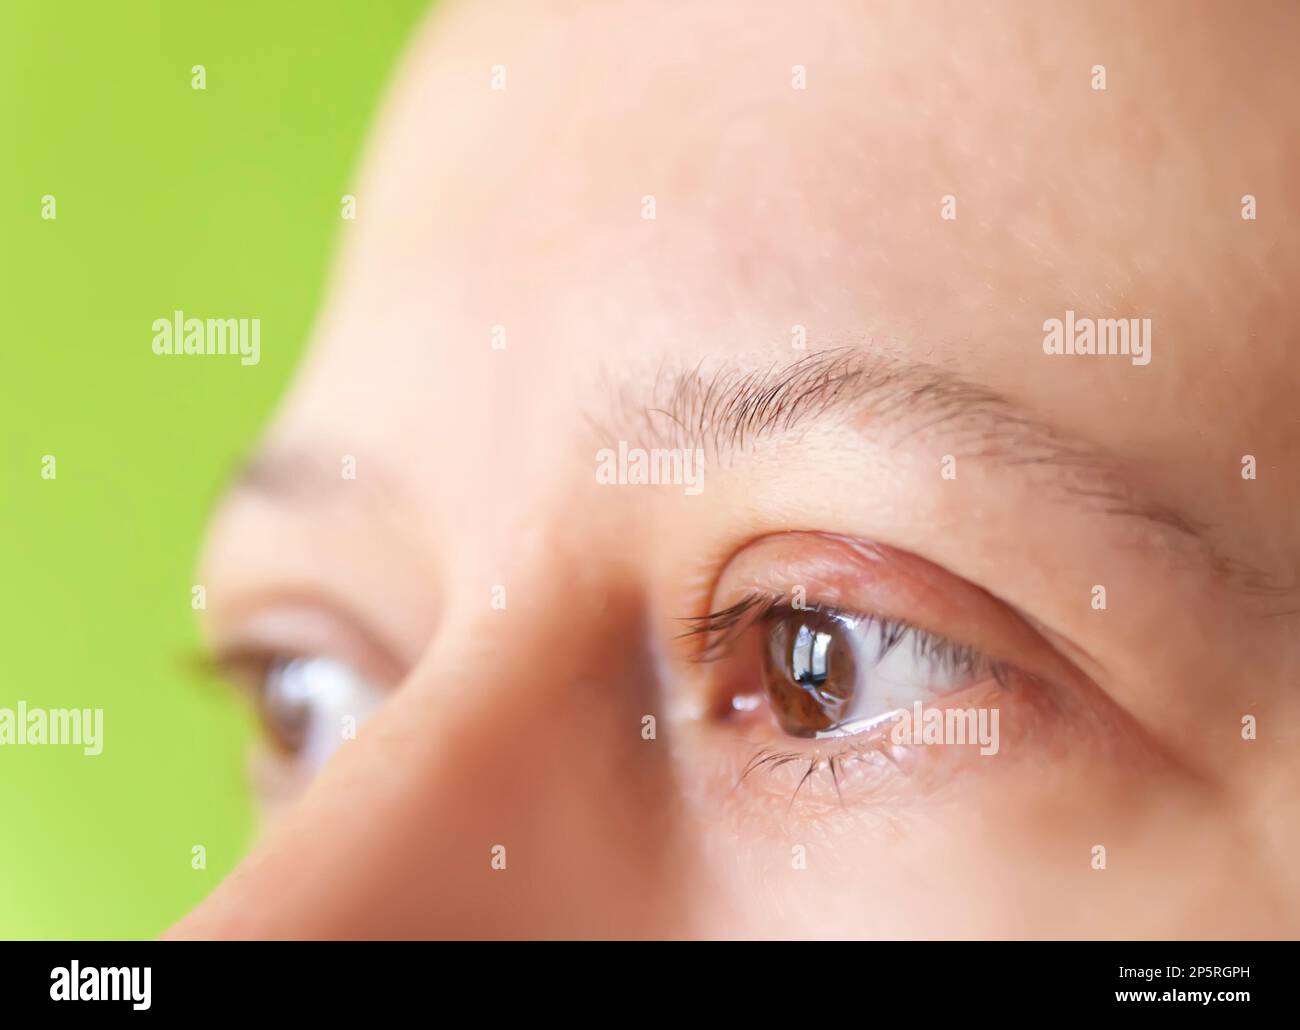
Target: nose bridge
column 506, row 790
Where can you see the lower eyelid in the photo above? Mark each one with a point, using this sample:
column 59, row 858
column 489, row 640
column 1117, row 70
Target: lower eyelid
column 865, row 770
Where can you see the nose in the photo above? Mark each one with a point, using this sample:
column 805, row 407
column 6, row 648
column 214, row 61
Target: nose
column 506, row 790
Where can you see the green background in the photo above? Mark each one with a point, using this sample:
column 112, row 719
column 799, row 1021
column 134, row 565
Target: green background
column 222, row 203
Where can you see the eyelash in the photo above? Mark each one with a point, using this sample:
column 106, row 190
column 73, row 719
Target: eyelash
column 723, row 629
column 247, row 670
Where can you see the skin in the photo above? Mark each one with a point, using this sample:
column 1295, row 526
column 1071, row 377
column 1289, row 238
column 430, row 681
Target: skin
column 776, row 207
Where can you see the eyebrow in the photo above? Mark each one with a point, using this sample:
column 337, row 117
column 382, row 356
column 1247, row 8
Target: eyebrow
column 292, row 476
column 726, row 410
column 729, row 409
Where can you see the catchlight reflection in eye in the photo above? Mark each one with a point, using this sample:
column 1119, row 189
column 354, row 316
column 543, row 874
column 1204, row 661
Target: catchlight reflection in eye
column 309, row 703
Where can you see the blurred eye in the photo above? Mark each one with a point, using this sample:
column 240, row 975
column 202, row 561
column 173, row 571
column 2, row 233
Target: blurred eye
column 308, row 705
column 828, row 673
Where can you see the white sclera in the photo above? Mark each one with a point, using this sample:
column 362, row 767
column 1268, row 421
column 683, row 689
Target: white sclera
column 895, row 681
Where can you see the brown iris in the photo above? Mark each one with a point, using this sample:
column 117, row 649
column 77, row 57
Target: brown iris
column 808, row 671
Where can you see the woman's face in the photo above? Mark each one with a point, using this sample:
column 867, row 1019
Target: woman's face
column 799, row 265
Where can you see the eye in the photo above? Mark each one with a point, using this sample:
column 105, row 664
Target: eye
column 309, row 704
column 858, row 680
column 828, row 673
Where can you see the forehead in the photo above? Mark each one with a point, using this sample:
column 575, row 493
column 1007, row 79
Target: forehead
column 710, row 181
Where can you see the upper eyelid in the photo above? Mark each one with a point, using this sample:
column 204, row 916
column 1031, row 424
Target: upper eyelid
column 859, row 576
column 297, row 625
